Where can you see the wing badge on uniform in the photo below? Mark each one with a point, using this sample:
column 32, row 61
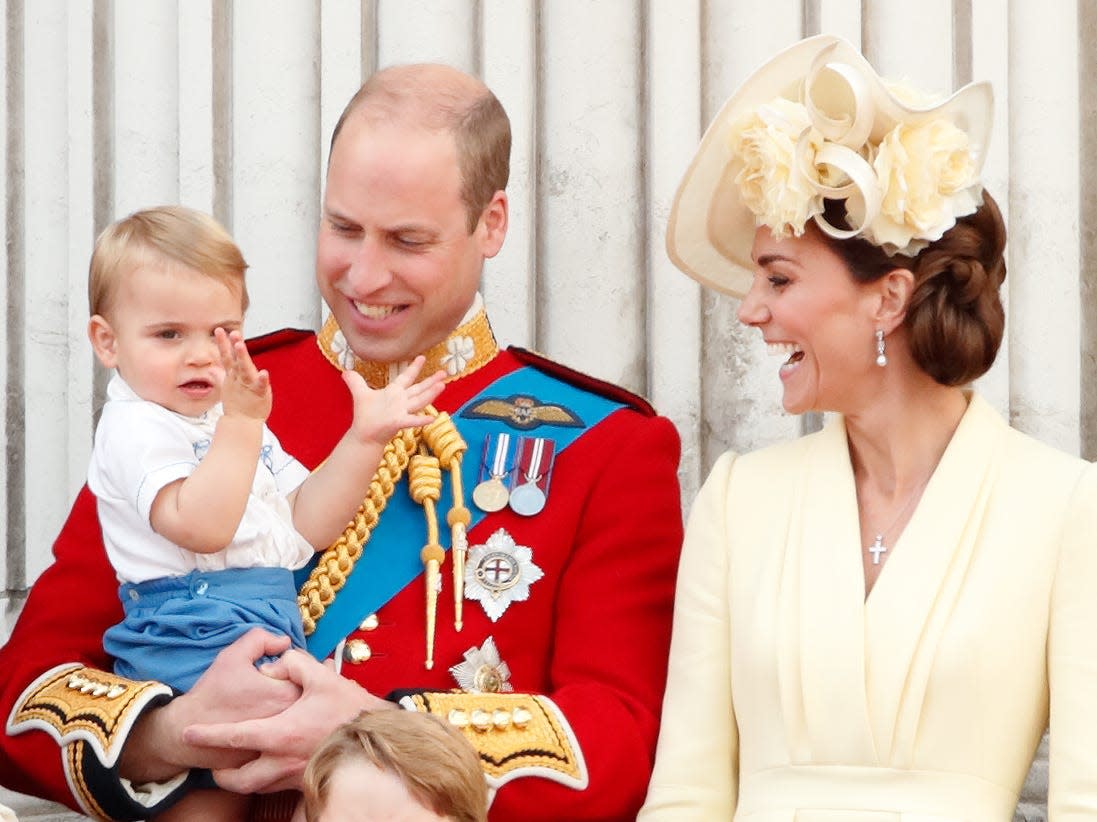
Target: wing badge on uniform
column 523, row 412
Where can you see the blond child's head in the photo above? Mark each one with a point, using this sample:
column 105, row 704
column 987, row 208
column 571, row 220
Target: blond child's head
column 169, row 236
column 395, row 765
column 160, row 282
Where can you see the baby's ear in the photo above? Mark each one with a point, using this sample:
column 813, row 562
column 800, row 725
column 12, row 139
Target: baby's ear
column 103, row 340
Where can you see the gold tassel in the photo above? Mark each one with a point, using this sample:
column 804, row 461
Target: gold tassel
column 425, row 487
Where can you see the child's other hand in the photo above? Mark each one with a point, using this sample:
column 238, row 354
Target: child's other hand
column 379, row 414
column 246, row 390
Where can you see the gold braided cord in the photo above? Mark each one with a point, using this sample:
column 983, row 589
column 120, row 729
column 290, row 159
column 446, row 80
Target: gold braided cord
column 447, row 445
column 336, row 563
column 425, row 478
column 443, row 438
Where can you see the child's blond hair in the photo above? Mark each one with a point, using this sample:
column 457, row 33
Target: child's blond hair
column 171, row 234
column 439, row 768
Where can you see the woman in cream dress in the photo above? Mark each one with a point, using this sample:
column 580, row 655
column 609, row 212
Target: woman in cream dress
column 875, row 622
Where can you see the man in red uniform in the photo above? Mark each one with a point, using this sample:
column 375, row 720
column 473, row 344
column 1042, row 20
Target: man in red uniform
column 556, row 493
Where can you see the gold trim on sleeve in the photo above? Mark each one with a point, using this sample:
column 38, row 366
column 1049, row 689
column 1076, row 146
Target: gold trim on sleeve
column 71, row 702
column 515, row 735
column 73, row 757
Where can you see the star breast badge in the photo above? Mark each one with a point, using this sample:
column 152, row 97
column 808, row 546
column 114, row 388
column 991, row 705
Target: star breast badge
column 499, row 572
column 483, row 672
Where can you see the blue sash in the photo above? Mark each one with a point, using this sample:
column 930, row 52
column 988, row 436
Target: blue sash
column 390, row 559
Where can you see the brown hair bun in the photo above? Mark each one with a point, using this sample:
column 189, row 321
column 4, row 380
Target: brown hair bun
column 955, row 318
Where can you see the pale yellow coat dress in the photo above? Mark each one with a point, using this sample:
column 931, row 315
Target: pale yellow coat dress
column 793, row 699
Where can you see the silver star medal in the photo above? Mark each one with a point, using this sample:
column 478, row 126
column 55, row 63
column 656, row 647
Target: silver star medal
column 483, row 672
column 500, row 572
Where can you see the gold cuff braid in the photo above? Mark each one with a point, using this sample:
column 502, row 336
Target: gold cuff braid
column 71, row 702
column 514, row 734
column 81, row 707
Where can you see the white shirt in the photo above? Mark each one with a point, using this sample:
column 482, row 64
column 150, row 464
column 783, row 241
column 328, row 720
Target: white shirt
column 140, row 447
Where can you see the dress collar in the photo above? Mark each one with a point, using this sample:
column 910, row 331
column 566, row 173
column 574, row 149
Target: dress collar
column 468, row 347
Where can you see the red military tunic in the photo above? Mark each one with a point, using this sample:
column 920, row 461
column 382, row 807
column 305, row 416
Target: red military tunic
column 592, row 635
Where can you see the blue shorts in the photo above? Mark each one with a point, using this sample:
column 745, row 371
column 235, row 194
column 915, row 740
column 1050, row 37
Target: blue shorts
column 175, row 626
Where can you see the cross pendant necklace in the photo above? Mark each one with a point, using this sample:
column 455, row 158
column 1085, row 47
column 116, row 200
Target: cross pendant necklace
column 877, row 548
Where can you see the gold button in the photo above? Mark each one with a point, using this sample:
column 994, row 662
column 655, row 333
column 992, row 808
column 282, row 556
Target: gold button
column 521, row 716
column 356, row 652
column 458, row 718
column 500, row 719
column 370, row 623
column 481, row 720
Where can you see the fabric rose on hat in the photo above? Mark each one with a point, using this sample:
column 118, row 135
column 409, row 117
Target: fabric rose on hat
column 928, row 179
column 778, row 181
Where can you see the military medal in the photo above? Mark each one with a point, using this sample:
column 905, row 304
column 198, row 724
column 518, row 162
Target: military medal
column 491, row 494
column 534, row 464
column 500, row 572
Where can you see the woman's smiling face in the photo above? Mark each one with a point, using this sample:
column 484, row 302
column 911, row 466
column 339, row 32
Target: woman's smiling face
column 817, row 318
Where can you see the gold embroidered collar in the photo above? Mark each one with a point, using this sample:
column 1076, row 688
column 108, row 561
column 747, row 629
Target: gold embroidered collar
column 470, row 346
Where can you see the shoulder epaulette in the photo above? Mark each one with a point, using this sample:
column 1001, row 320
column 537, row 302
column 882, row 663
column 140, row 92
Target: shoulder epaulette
column 584, row 381
column 277, row 339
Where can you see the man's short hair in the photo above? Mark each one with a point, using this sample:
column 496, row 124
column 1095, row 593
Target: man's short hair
column 165, row 234
column 436, row 764
column 442, row 98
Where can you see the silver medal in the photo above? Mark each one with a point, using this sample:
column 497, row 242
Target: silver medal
column 527, row 499
column 535, row 460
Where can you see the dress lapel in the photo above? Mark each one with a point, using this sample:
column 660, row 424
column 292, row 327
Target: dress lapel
column 910, row 604
column 831, row 613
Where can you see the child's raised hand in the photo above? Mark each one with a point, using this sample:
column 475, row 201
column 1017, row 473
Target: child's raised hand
column 379, row 414
column 245, row 390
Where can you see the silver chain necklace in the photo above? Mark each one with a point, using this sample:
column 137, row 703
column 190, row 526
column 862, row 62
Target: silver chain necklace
column 878, row 547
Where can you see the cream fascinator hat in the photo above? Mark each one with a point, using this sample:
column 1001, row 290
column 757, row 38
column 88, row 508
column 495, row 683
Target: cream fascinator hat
column 817, row 123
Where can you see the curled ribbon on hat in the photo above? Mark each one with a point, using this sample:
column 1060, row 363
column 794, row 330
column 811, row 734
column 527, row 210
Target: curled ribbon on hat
column 904, row 175
column 845, row 134
column 852, row 129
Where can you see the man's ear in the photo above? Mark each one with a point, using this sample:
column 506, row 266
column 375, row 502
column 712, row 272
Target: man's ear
column 894, row 291
column 493, row 222
column 103, row 340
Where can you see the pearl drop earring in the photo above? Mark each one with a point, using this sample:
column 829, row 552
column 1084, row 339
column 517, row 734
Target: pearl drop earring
column 881, row 357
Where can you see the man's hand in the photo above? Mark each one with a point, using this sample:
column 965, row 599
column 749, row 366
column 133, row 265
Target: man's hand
column 231, row 690
column 245, row 390
column 380, row 413
column 286, row 740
